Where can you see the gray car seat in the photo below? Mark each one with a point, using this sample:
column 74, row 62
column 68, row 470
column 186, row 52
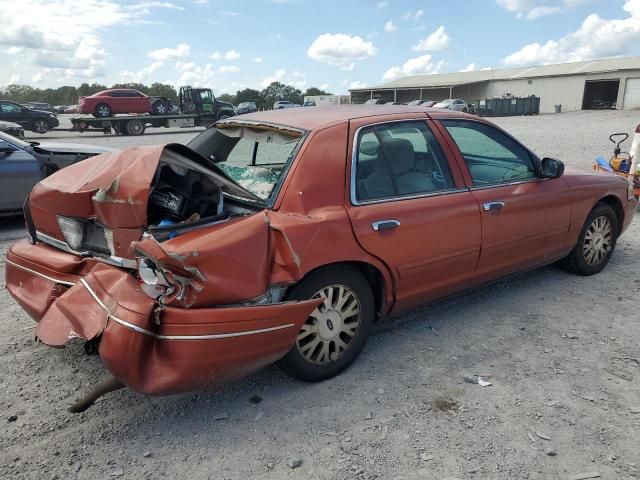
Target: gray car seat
column 401, row 157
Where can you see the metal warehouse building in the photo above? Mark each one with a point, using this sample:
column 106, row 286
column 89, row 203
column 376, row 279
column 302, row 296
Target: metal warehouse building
column 575, row 86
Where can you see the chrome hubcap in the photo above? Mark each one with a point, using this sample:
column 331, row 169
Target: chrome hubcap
column 103, row 111
column 41, row 126
column 598, row 241
column 331, row 327
column 161, row 108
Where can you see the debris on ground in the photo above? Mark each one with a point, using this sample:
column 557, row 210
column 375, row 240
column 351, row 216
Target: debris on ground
column 294, row 462
column 445, row 404
column 584, row 476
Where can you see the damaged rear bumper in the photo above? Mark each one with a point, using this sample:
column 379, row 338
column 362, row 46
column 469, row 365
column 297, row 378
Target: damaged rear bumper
column 169, row 351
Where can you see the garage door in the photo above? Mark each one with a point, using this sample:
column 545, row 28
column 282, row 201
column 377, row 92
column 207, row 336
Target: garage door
column 632, row 94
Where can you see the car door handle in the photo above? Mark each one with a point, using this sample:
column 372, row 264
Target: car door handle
column 385, row 225
column 493, row 206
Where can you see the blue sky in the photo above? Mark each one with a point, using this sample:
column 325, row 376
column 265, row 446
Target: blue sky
column 337, row 45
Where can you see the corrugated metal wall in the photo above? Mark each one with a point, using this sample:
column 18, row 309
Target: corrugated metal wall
column 566, row 91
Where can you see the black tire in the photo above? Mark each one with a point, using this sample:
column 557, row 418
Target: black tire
column 134, row 127
column 579, row 260
column 40, row 125
column 301, row 365
column 102, row 110
column 160, row 107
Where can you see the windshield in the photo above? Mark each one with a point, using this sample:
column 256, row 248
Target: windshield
column 256, row 158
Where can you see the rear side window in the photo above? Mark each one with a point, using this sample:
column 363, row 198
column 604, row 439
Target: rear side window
column 491, row 156
column 399, row 159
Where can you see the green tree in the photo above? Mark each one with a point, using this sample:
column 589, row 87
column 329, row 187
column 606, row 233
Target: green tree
column 280, row 91
column 158, row 89
column 136, row 86
column 86, row 90
column 249, row 95
column 227, row 97
column 313, row 91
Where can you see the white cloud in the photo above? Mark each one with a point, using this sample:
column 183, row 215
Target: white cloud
column 414, row 66
column 324, row 86
column 470, row 68
column 231, row 55
column 357, row 84
column 194, row 74
column 143, row 74
column 435, row 41
column 596, row 38
column 406, row 16
column 341, row 50
column 68, row 32
column 14, row 50
column 390, row 27
column 382, row 4
column 14, row 79
column 542, row 11
column 181, row 51
column 532, row 9
column 228, row 69
column 229, row 13
column 258, row 60
column 216, row 56
column 276, row 77
column 37, row 77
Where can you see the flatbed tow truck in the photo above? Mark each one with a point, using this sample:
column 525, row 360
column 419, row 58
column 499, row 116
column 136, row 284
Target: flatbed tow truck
column 198, row 107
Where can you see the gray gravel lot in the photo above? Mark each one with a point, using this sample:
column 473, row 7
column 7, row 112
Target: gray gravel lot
column 564, row 352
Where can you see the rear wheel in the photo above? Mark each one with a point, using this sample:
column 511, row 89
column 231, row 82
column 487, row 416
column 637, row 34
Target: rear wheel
column 336, row 331
column 102, row 110
column 134, row 127
column 40, row 126
column 596, row 242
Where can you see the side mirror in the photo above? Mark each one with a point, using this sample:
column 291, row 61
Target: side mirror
column 551, row 168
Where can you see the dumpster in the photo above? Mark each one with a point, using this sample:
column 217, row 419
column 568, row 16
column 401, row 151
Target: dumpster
column 501, row 107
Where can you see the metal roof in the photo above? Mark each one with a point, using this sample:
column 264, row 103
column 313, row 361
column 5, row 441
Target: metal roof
column 463, row 78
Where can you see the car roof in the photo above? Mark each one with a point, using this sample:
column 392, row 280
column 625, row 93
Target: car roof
column 324, row 116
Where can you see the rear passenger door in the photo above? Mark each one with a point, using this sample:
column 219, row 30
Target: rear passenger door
column 525, row 219
column 409, row 207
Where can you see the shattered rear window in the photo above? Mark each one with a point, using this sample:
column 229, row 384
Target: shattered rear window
column 253, row 156
column 258, row 175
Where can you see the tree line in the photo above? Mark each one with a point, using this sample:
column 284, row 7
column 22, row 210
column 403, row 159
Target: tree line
column 69, row 95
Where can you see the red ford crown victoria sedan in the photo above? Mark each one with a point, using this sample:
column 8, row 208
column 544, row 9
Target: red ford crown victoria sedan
column 283, row 235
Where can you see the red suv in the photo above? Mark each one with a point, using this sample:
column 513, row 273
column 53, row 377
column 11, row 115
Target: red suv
column 110, row 102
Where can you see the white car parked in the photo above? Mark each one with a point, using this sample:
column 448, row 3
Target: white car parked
column 280, row 104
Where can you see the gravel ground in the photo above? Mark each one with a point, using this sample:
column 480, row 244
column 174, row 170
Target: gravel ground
column 563, row 352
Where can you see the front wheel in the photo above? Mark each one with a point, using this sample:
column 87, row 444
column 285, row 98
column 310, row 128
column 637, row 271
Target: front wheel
column 160, row 107
column 40, row 126
column 596, row 242
column 336, row 331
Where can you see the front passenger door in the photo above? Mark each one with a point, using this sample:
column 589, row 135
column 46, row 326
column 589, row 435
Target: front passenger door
column 525, row 219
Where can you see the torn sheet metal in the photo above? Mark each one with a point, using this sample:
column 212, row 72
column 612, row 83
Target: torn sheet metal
column 217, row 265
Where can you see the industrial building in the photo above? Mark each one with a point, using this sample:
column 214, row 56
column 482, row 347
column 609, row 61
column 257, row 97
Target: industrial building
column 606, row 83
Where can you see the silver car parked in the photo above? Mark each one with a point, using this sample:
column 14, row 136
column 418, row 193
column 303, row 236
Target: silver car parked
column 453, row 104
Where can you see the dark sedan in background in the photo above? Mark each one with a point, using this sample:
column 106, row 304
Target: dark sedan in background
column 23, row 164
column 37, row 121
column 246, row 107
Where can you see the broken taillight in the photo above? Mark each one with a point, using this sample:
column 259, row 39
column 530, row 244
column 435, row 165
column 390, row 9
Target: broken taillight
column 151, row 280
